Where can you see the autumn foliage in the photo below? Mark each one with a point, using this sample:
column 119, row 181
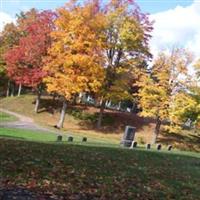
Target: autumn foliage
column 100, row 48
column 25, row 60
column 74, row 63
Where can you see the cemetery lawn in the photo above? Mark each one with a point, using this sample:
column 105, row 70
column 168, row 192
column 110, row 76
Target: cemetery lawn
column 80, row 121
column 68, row 171
column 4, row 117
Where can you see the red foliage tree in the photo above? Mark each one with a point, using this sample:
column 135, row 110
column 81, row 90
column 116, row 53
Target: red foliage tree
column 25, row 61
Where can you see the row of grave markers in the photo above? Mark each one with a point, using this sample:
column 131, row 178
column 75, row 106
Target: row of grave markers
column 148, row 146
column 69, row 139
column 133, row 144
column 128, row 140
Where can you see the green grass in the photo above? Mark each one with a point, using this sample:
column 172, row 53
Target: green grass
column 27, row 135
column 4, row 117
column 92, row 172
column 30, row 135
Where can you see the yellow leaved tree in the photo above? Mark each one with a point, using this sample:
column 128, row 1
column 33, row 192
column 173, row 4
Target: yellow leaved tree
column 127, row 33
column 164, row 89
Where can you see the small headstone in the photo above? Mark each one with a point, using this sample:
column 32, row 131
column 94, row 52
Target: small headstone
column 148, row 146
column 59, row 138
column 128, row 136
column 159, row 146
column 133, row 144
column 84, row 139
column 169, row 148
column 70, row 139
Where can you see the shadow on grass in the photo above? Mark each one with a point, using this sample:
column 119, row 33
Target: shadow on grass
column 22, row 193
column 113, row 121
column 185, row 141
column 105, row 147
column 12, row 137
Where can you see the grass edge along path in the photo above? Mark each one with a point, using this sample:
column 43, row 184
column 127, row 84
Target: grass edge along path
column 4, row 117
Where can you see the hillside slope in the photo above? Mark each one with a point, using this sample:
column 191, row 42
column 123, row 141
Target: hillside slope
column 81, row 120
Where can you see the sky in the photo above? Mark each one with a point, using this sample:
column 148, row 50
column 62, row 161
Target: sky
column 176, row 22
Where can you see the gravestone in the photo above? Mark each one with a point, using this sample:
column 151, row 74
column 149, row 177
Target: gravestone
column 148, row 146
column 59, row 138
column 128, row 136
column 169, row 148
column 159, row 146
column 70, row 139
column 84, row 139
column 133, row 144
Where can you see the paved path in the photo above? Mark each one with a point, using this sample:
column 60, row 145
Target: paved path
column 24, row 122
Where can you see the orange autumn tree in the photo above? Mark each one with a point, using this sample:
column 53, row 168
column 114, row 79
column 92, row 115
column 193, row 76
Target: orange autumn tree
column 75, row 59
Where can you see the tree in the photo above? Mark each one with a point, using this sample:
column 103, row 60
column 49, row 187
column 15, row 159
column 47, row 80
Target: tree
column 9, row 37
column 186, row 109
column 161, row 92
column 75, row 62
column 25, row 61
column 194, row 87
column 126, row 33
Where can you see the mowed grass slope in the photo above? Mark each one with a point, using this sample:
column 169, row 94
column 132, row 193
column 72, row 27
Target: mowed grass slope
column 30, row 135
column 42, row 136
column 84, row 172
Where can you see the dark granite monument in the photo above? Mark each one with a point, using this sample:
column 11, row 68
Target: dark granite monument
column 128, row 136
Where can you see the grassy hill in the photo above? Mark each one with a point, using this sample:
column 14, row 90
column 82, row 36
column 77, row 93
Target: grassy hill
column 65, row 171
column 81, row 120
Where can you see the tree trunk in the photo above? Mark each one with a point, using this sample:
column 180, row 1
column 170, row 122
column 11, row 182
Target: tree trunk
column 38, row 98
column 74, row 99
column 8, row 89
column 119, row 106
column 12, row 89
column 156, row 130
column 80, row 96
column 62, row 115
column 19, row 90
column 99, row 122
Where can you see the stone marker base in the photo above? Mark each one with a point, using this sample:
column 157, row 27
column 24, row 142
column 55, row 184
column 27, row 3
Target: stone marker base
column 148, row 146
column 84, row 139
column 169, row 148
column 126, row 143
column 70, row 139
column 133, row 145
column 59, row 138
column 159, row 147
